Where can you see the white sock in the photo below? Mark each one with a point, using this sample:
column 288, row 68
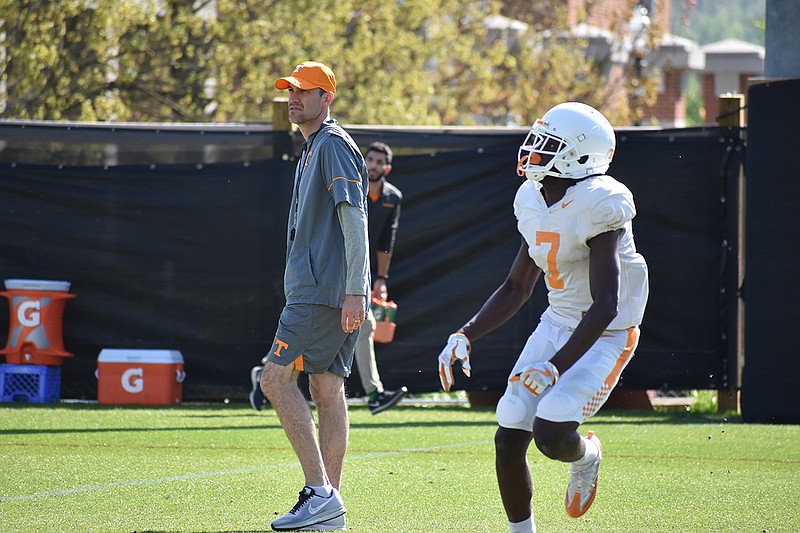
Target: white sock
column 526, row 526
column 592, row 451
column 323, row 491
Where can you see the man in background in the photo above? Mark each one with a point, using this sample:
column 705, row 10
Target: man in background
column 384, row 219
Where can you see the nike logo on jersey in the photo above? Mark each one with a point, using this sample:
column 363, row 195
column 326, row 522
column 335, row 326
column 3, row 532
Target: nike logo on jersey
column 565, row 204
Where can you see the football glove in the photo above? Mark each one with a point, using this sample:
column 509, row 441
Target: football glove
column 458, row 347
column 539, row 377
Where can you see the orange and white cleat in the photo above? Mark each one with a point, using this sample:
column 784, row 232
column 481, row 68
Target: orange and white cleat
column 582, row 486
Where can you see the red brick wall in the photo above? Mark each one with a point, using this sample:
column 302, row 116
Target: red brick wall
column 604, row 14
column 670, row 105
column 710, row 101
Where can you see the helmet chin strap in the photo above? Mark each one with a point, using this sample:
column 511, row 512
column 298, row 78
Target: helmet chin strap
column 555, row 172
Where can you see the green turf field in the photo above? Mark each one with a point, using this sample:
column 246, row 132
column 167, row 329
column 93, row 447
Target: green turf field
column 219, row 468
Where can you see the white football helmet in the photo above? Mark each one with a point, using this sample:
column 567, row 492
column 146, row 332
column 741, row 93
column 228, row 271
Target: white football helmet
column 579, row 139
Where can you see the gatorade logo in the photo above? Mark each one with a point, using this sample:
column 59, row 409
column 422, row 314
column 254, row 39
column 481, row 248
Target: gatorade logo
column 133, row 380
column 29, row 313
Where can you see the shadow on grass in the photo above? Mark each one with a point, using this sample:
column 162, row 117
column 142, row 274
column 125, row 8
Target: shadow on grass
column 266, row 419
column 67, row 431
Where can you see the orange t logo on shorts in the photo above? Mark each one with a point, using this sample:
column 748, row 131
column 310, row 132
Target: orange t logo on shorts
column 281, row 346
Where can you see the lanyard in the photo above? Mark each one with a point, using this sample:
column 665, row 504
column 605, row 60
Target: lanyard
column 301, row 167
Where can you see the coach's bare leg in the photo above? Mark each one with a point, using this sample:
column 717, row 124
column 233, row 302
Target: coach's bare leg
column 327, row 391
column 279, row 384
column 513, row 473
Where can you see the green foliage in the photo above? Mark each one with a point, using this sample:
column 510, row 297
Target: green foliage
column 55, row 54
column 412, row 469
column 695, row 112
column 705, row 402
column 104, row 60
column 708, row 21
column 428, row 62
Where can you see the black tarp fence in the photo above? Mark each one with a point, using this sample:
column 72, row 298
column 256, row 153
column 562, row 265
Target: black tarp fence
column 772, row 335
column 173, row 238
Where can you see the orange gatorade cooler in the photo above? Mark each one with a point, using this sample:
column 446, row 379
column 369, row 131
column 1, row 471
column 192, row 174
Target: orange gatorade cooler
column 134, row 377
column 37, row 308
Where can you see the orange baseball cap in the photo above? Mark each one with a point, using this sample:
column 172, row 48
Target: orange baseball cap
column 309, row 75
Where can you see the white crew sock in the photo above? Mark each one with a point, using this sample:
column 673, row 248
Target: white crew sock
column 323, row 491
column 592, row 451
column 526, row 526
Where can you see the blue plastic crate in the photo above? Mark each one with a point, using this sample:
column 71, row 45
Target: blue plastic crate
column 30, row 383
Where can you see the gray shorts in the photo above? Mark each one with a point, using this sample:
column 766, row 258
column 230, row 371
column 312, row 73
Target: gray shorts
column 311, row 337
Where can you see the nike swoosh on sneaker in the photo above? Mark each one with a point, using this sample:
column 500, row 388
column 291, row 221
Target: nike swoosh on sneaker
column 315, row 510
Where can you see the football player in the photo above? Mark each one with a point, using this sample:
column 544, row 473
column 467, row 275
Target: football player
column 575, row 222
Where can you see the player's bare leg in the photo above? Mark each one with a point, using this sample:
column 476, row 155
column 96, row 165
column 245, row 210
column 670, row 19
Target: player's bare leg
column 513, row 473
column 279, row 384
column 327, row 391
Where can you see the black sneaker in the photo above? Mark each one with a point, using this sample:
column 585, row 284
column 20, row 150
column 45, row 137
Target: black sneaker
column 386, row 399
column 257, row 398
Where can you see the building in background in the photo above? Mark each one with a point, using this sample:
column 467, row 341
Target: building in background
column 729, row 67
column 643, row 62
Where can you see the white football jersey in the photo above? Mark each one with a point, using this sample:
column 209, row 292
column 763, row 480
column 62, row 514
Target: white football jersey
column 557, row 237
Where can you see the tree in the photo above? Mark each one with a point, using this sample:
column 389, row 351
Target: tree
column 707, row 22
column 163, row 62
column 426, row 62
column 54, row 61
column 104, row 60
